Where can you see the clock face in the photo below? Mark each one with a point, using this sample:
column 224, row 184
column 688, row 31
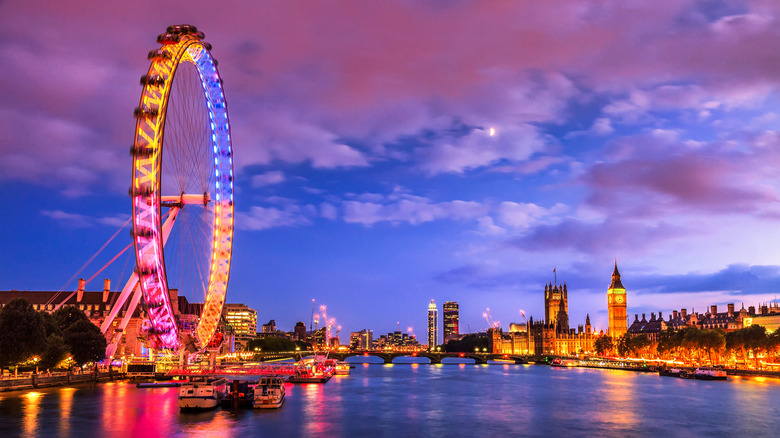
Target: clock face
column 619, row 299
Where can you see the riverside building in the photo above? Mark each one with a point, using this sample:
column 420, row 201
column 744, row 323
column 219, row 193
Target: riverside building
column 433, row 326
column 450, row 315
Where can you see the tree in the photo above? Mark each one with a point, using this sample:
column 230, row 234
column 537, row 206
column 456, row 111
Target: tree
column 712, row 341
column 755, row 340
column 22, row 334
column 50, row 324
column 467, row 344
column 271, row 344
column 603, row 345
column 66, row 316
column 54, row 353
column 85, row 342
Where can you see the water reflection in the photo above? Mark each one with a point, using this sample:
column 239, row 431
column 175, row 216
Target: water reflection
column 419, row 400
column 32, row 408
column 66, row 406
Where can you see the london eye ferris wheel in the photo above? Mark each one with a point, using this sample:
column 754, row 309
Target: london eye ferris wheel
column 182, row 187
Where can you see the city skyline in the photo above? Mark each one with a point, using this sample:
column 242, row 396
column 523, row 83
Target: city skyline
column 389, row 154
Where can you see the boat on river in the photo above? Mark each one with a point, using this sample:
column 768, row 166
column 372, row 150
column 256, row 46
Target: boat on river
column 240, row 394
column 313, row 370
column 558, row 362
column 342, row 368
column 709, row 373
column 202, row 392
column 269, row 393
column 670, row 372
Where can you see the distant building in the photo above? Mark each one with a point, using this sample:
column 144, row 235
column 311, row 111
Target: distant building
column 433, row 326
column 270, row 327
column 362, row 340
column 243, row 319
column 450, row 315
column 616, row 305
column 397, row 341
column 317, row 338
column 299, row 332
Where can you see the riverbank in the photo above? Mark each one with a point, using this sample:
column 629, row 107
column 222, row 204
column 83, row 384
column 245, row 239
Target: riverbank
column 635, row 366
column 33, row 381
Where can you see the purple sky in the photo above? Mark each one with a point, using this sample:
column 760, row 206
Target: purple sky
column 367, row 175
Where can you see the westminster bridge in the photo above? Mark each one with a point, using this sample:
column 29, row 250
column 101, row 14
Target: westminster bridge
column 390, row 356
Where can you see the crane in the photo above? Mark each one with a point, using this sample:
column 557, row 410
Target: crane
column 488, row 317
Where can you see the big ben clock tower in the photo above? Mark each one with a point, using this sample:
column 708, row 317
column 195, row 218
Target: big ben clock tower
column 616, row 304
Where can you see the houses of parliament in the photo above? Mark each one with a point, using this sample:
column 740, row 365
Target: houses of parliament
column 553, row 335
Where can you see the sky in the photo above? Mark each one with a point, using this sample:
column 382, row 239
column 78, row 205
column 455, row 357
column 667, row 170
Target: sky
column 390, row 153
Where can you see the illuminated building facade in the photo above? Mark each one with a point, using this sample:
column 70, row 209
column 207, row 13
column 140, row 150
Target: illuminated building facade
column 270, row 327
column 616, row 305
column 362, row 340
column 397, row 341
column 551, row 336
column 433, row 326
column 243, row 320
column 556, row 306
column 450, row 315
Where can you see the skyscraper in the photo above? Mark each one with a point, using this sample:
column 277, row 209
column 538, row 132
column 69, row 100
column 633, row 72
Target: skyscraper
column 433, row 326
column 451, row 319
column 616, row 304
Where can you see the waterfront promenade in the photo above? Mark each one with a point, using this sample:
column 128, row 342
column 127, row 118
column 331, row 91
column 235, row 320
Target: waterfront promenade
column 43, row 380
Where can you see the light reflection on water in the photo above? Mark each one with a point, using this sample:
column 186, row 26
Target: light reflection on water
column 420, row 400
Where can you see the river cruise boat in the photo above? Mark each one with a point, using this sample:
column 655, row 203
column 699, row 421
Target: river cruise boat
column 202, row 392
column 269, row 393
column 342, row 368
column 708, row 373
column 557, row 362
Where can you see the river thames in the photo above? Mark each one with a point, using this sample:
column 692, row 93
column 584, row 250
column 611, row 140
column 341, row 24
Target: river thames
column 411, row 400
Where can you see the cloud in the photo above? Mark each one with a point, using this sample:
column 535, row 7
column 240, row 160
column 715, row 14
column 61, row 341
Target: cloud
column 77, row 220
column 286, row 138
column 479, row 148
column 608, row 237
column 268, row 178
column 524, row 215
column 263, row 218
column 329, row 211
column 736, row 279
column 412, row 210
column 602, row 126
column 663, row 172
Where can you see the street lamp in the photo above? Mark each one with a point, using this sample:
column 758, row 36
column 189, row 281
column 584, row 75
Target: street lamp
column 35, row 359
column 476, row 349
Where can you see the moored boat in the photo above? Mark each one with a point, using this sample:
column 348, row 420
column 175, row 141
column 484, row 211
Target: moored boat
column 240, row 394
column 557, row 362
column 709, row 373
column 342, row 368
column 202, row 392
column 269, row 393
column 313, row 370
column 669, row 372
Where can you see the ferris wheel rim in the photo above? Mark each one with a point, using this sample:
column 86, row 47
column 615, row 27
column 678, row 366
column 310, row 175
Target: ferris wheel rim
column 183, row 44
